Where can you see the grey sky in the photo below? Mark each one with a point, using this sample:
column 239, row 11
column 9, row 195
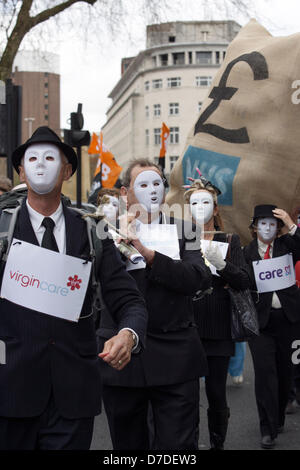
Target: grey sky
column 89, row 72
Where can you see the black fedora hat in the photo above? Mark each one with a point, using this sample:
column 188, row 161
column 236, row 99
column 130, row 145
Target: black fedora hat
column 41, row 135
column 264, row 210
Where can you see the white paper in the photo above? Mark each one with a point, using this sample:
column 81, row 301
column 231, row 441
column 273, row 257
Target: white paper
column 223, row 247
column 274, row 274
column 45, row 281
column 162, row 238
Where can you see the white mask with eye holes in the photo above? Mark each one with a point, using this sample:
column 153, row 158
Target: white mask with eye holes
column 267, row 229
column 149, row 190
column 202, row 206
column 42, row 164
column 111, row 209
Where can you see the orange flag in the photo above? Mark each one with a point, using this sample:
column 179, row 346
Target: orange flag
column 94, row 147
column 165, row 132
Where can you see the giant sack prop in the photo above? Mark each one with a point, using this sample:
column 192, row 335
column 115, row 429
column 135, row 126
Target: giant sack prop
column 246, row 140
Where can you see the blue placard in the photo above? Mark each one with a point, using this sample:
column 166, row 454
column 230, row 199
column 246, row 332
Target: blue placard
column 218, row 168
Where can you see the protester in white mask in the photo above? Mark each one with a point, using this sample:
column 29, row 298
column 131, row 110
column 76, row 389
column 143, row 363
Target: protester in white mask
column 166, row 375
column 50, row 386
column 278, row 315
column 108, row 204
column 212, row 311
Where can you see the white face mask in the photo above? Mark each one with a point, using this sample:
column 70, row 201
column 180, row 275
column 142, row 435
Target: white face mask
column 42, row 164
column 149, row 190
column 111, row 209
column 267, row 229
column 202, row 206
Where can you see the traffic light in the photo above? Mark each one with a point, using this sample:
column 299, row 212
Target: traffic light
column 76, row 137
column 10, row 122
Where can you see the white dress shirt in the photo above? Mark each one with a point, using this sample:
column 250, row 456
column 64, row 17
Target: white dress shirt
column 59, row 230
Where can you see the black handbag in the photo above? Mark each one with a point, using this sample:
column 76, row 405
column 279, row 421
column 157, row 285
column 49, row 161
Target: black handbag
column 244, row 322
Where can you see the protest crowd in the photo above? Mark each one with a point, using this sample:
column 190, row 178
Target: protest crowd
column 176, row 297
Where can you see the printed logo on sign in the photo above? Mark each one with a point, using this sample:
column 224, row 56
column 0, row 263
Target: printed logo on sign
column 266, row 275
column 74, row 282
column 31, row 281
column 218, row 168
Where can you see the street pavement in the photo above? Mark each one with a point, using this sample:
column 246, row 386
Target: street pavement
column 243, row 431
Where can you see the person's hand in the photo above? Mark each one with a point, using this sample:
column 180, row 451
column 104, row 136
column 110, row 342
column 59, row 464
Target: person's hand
column 117, row 350
column 128, row 229
column 214, row 256
column 127, row 223
column 284, row 216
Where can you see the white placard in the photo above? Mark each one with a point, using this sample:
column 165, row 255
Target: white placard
column 158, row 237
column 45, row 281
column 223, row 247
column 274, row 274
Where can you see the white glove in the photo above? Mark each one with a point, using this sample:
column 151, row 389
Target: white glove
column 214, row 256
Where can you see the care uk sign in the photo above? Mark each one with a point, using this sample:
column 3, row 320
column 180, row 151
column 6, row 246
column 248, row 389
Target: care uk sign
column 274, row 274
column 45, row 281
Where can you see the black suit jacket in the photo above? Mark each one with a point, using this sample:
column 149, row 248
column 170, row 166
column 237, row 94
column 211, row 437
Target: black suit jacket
column 45, row 353
column 174, row 353
column 289, row 298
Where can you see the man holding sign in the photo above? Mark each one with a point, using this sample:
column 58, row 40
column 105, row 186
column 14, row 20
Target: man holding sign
column 50, row 388
column 164, row 379
column 271, row 258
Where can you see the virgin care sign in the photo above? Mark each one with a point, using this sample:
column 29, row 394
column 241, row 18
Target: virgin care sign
column 45, row 281
column 274, row 274
column 246, row 139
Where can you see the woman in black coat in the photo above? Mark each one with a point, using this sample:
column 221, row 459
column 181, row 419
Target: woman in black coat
column 212, row 312
column 278, row 316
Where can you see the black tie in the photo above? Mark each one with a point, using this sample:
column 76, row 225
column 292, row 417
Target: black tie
column 49, row 238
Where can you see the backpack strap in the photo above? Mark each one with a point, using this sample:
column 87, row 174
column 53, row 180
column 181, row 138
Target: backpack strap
column 96, row 249
column 8, row 221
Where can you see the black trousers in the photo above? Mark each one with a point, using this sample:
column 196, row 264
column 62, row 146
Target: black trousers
column 271, row 353
column 174, row 416
column 49, row 431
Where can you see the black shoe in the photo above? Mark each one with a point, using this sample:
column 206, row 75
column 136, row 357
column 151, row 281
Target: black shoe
column 267, row 442
column 217, row 425
column 290, row 408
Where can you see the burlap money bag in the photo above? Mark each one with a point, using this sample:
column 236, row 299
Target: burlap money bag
column 246, row 140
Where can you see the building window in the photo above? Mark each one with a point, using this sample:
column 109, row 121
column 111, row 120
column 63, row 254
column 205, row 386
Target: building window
column 157, row 83
column 204, row 35
column 203, row 81
column 163, row 60
column 46, row 95
column 46, row 84
column 173, row 160
column 174, row 135
column 147, row 86
column 46, row 74
column 46, row 106
column 173, row 109
column 156, row 160
column 203, row 58
column 146, row 111
column 190, row 57
column 178, row 58
column 157, row 132
column 199, row 106
column 156, row 110
column 46, row 117
column 172, row 38
column 174, row 82
column 147, row 141
column 217, row 57
column 224, row 54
